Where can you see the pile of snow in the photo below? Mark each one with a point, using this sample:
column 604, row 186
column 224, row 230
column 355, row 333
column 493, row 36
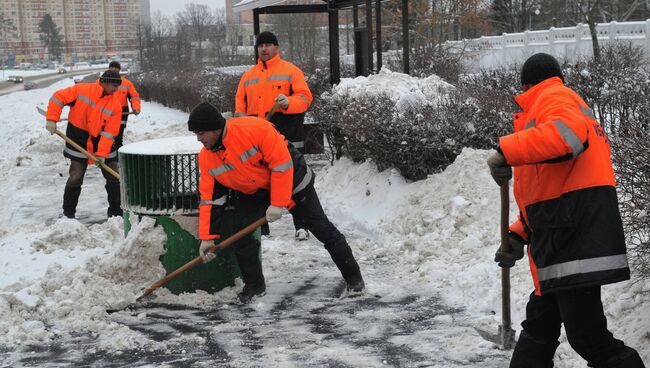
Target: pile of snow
column 403, row 89
column 73, row 274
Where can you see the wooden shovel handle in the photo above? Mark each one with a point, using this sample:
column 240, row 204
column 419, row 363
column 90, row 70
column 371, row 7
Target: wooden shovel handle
column 274, row 109
column 505, row 217
column 505, row 246
column 88, row 154
column 191, row 264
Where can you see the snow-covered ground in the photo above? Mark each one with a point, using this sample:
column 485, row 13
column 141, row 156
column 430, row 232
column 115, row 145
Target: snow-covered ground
column 425, row 249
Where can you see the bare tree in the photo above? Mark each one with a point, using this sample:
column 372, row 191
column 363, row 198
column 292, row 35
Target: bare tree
column 162, row 30
column 196, row 20
column 516, row 15
column 226, row 41
column 303, row 37
column 589, row 10
column 142, row 36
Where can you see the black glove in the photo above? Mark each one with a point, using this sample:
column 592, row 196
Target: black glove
column 508, row 259
column 499, row 168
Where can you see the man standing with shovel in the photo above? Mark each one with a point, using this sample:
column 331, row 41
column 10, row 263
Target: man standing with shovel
column 93, row 122
column 565, row 188
column 126, row 93
column 275, row 81
column 247, row 164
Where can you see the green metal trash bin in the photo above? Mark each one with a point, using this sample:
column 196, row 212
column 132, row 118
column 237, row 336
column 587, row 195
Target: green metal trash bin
column 160, row 179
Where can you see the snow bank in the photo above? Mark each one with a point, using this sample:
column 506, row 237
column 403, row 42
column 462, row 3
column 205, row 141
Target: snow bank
column 88, row 270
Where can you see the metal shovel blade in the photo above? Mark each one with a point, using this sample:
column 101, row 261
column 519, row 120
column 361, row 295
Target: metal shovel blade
column 505, row 338
column 131, row 306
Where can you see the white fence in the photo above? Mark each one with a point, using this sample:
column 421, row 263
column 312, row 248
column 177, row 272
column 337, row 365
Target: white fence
column 568, row 43
column 234, row 70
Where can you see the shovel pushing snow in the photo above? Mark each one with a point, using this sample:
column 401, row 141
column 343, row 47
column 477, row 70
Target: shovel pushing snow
column 196, row 261
column 505, row 336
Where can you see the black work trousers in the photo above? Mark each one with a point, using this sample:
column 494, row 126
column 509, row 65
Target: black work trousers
column 119, row 140
column 249, row 208
column 75, row 180
column 581, row 312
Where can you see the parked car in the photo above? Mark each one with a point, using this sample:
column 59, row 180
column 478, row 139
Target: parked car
column 30, row 85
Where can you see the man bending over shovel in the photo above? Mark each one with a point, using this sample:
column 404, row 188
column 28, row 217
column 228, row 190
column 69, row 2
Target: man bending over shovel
column 265, row 175
column 565, row 189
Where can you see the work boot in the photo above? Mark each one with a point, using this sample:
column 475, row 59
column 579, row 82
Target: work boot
column 247, row 254
column 627, row 359
column 302, row 234
column 250, row 291
column 70, row 200
column 355, row 283
column 114, row 199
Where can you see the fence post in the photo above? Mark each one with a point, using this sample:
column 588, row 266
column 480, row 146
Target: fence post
column 612, row 31
column 578, row 37
column 526, row 36
column 551, row 41
column 504, row 53
column 647, row 38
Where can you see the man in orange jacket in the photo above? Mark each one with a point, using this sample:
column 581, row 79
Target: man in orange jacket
column 125, row 93
column 264, row 175
column 276, row 81
column 93, row 123
column 566, row 192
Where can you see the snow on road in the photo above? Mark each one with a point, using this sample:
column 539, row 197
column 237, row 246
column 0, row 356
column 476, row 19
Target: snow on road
column 425, row 249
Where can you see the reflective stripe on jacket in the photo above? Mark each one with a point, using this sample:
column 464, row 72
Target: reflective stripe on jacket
column 565, row 188
column 252, row 156
column 90, row 111
column 127, row 92
column 260, row 85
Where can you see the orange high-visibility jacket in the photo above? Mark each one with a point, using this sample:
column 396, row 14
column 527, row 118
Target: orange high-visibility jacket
column 261, row 84
column 127, row 92
column 90, row 111
column 252, row 156
column 565, row 188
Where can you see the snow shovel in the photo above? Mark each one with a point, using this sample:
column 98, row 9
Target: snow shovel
column 88, row 154
column 505, row 336
column 196, row 261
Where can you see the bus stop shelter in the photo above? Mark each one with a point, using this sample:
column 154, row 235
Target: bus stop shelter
column 363, row 40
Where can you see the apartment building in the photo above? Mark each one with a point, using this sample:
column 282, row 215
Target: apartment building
column 90, row 28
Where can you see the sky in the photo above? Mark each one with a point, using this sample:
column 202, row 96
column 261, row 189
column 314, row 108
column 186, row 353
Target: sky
column 171, row 7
